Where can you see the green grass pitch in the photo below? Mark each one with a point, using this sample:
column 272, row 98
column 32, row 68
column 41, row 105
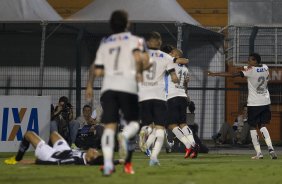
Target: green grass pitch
column 174, row 169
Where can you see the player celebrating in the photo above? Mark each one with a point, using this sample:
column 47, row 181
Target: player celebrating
column 152, row 92
column 259, row 112
column 177, row 104
column 59, row 154
column 120, row 59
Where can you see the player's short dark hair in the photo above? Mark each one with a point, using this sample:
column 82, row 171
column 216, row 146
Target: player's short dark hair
column 86, row 106
column 167, row 48
column 256, row 56
column 153, row 35
column 118, row 21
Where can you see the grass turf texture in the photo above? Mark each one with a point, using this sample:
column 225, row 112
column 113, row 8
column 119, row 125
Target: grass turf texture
column 206, row 169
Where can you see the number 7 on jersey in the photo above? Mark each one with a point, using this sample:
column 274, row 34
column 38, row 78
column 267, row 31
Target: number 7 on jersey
column 116, row 51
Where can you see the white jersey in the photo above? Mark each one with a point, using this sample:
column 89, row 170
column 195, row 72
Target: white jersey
column 153, row 85
column 178, row 89
column 115, row 55
column 257, row 77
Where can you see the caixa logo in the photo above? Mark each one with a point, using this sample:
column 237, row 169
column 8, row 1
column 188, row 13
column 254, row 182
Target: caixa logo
column 13, row 117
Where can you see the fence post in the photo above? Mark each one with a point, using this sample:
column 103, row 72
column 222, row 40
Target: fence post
column 179, row 35
column 42, row 54
column 252, row 39
column 78, row 72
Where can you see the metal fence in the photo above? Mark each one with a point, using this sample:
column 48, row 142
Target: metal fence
column 265, row 40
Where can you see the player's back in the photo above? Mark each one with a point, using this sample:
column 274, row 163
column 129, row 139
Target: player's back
column 116, row 55
column 257, row 85
column 178, row 89
column 153, row 85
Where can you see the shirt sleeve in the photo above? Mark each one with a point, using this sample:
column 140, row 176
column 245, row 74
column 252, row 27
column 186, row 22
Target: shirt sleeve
column 247, row 71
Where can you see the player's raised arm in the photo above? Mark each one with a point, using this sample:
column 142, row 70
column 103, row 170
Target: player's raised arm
column 182, row 61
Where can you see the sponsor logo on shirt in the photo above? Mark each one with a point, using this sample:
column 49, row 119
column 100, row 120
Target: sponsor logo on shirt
column 261, row 69
column 155, row 54
column 115, row 38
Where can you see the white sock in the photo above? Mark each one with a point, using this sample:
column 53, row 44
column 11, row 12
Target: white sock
column 266, row 137
column 189, row 134
column 107, row 142
column 180, row 135
column 130, row 130
column 158, row 144
column 151, row 139
column 254, row 136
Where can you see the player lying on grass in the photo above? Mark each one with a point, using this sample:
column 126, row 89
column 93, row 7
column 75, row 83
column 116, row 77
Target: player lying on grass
column 59, row 154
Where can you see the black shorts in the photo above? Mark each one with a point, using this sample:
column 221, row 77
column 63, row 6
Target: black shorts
column 153, row 111
column 258, row 115
column 177, row 110
column 114, row 101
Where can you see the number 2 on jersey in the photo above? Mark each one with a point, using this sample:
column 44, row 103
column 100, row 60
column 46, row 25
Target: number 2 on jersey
column 261, row 81
column 116, row 51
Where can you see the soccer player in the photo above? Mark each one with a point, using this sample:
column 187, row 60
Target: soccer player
column 152, row 93
column 120, row 58
column 177, row 103
column 259, row 113
column 59, row 154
